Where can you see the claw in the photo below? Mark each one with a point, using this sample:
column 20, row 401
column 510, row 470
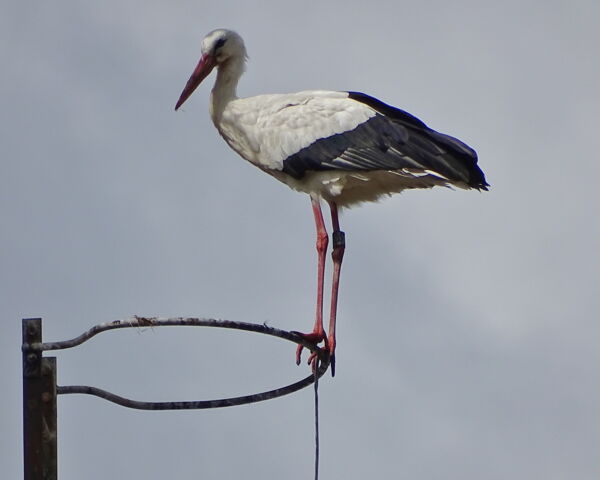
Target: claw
column 314, row 337
column 299, row 354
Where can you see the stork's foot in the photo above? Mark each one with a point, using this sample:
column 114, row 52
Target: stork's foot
column 316, row 338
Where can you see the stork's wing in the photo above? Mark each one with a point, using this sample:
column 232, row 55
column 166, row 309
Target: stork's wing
column 391, row 139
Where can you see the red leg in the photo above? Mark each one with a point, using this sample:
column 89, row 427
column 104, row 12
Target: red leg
column 339, row 245
column 318, row 332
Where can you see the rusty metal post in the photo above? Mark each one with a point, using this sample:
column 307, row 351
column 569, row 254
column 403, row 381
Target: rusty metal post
column 49, row 433
column 39, row 406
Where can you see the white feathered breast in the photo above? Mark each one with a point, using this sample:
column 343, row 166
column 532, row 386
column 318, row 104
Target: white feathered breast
column 267, row 129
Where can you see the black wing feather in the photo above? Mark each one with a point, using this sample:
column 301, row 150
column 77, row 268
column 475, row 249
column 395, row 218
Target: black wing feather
column 391, row 140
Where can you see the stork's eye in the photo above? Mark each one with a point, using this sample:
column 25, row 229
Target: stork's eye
column 219, row 44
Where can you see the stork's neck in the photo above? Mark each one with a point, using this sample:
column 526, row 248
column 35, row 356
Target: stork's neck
column 225, row 89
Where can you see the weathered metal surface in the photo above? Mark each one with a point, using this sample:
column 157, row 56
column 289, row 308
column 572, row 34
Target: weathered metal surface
column 49, row 424
column 39, row 406
column 40, row 390
column 145, row 322
column 32, row 396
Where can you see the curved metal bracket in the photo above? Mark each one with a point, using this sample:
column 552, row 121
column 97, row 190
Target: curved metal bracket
column 141, row 322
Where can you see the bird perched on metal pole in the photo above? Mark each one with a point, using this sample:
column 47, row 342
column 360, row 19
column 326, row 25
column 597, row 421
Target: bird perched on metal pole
column 343, row 148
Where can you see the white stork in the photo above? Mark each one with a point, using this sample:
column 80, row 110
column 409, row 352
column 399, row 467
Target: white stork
column 341, row 147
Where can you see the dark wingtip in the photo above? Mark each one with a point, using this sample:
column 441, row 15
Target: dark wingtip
column 479, row 181
column 480, row 185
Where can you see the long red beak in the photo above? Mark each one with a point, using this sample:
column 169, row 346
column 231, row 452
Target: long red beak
column 204, row 67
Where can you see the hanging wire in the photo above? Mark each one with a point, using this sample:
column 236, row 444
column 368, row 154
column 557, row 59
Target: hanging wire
column 316, row 383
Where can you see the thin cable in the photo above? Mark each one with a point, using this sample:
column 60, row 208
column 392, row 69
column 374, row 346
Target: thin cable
column 316, row 383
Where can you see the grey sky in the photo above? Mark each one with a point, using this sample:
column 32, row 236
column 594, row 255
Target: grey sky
column 468, row 325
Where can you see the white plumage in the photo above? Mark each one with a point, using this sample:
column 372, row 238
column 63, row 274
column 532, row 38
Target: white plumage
column 341, row 147
column 277, row 126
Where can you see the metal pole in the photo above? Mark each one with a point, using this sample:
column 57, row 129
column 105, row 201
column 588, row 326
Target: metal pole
column 49, row 433
column 39, row 406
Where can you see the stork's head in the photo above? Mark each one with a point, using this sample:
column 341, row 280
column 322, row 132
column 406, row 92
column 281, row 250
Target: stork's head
column 218, row 48
column 223, row 44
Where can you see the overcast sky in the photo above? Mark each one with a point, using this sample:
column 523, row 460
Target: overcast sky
column 468, row 322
